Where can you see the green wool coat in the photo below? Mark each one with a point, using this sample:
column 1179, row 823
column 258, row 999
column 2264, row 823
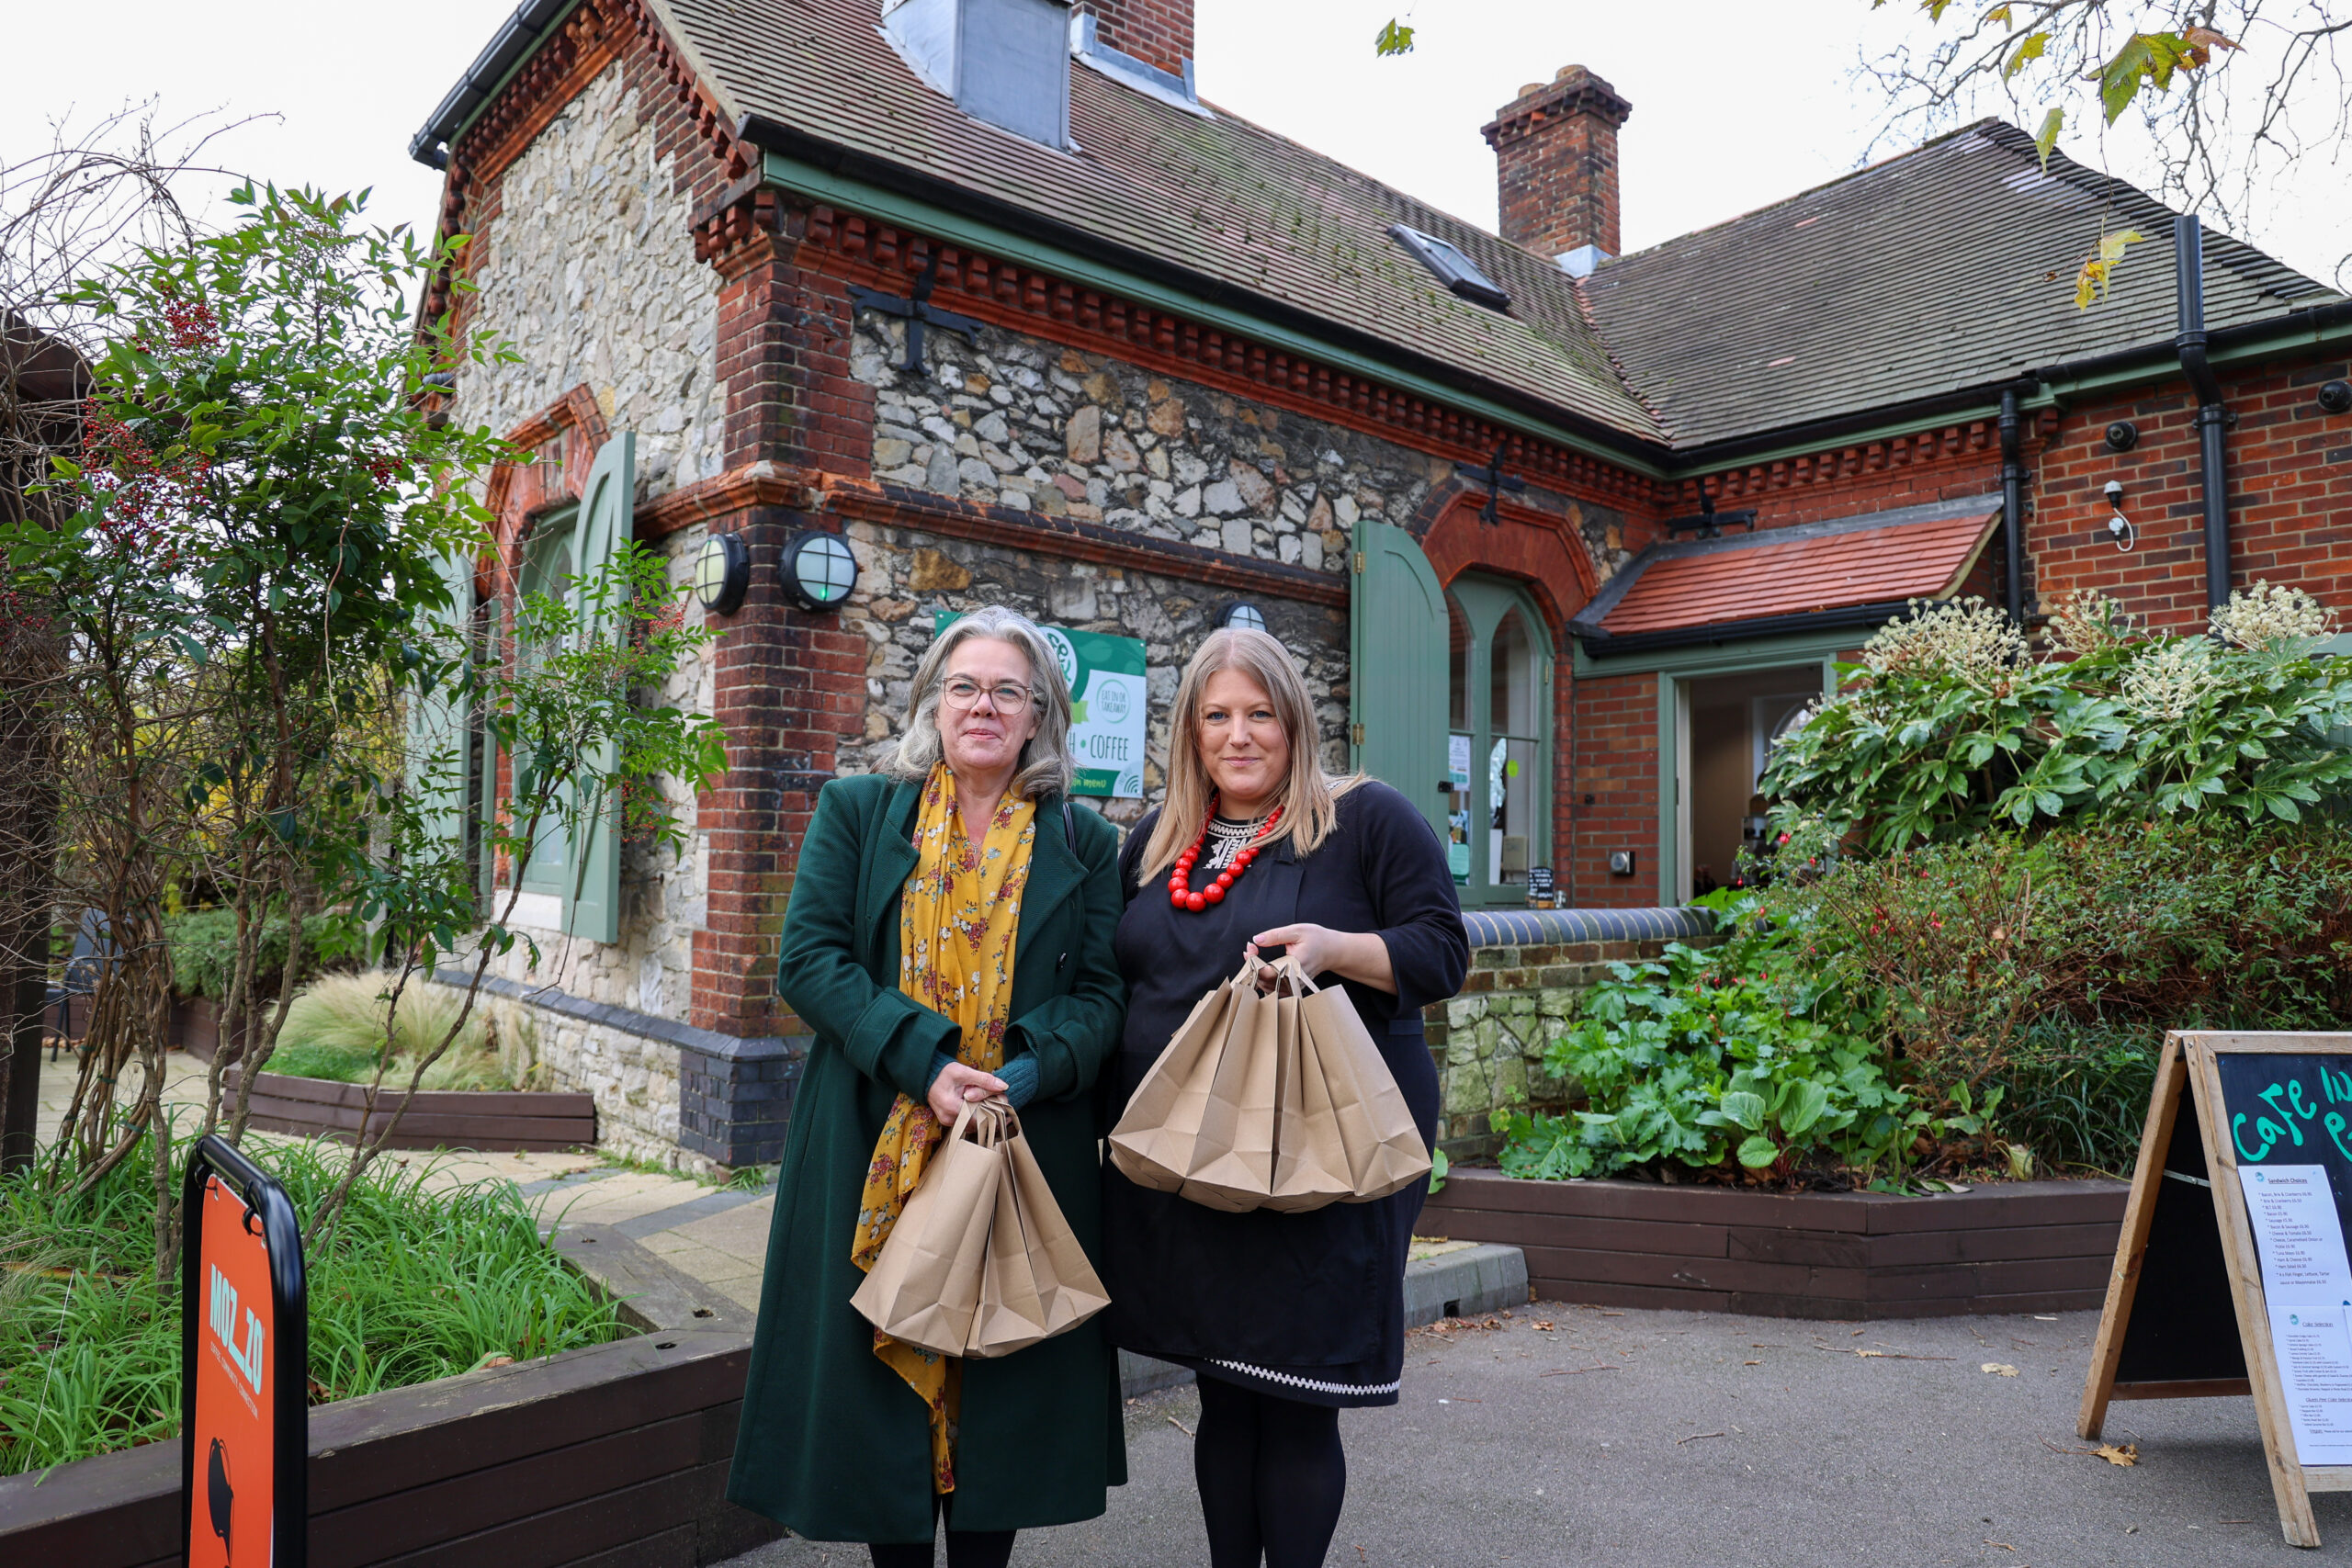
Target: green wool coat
column 832, row 1443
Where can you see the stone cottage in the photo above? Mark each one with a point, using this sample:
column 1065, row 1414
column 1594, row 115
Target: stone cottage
column 876, row 310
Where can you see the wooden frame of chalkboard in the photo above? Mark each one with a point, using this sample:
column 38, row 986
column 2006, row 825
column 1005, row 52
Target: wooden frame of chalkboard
column 2198, row 1260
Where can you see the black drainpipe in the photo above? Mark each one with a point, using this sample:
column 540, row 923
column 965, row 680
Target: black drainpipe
column 2189, row 266
column 2012, row 510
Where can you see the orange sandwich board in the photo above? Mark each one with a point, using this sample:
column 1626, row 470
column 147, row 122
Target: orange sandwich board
column 2250, row 1292
column 245, row 1349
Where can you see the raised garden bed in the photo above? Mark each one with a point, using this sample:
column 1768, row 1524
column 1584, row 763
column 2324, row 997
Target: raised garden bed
column 195, row 1028
column 2010, row 1247
column 614, row 1454
column 443, row 1119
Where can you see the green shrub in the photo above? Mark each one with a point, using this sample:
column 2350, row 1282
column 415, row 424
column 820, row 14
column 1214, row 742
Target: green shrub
column 335, row 1030
column 416, row 1285
column 1949, row 727
column 204, row 950
column 1730, row 1059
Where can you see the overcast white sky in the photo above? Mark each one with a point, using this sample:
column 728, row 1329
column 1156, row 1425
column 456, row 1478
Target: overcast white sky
column 1735, row 104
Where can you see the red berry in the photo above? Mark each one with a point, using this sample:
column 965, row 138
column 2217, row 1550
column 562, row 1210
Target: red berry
column 1214, row 895
column 1195, row 902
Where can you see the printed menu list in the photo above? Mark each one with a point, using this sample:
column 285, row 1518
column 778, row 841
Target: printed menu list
column 2307, row 1286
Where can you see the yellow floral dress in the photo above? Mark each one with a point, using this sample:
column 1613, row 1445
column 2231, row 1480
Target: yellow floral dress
column 958, row 916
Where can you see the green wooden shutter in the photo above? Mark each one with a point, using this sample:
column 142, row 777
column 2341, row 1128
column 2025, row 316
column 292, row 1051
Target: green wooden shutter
column 1397, row 687
column 438, row 728
column 607, row 505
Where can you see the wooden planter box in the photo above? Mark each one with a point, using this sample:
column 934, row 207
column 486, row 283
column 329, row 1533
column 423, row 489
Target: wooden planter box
column 2011, row 1247
column 617, row 1454
column 445, row 1118
column 195, row 1028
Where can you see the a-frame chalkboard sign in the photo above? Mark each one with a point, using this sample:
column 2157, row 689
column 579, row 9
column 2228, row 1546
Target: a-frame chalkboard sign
column 2249, row 1293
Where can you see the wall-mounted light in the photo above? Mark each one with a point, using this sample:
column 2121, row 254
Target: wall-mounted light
column 722, row 574
column 1620, row 862
column 2122, row 436
column 2335, row 397
column 2119, row 527
column 818, row 570
column 1240, row 616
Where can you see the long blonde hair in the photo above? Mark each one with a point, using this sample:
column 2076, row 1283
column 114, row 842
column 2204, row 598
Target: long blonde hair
column 1309, row 797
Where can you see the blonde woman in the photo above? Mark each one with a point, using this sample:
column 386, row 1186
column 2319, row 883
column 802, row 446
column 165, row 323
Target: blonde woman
column 1286, row 1318
column 949, row 939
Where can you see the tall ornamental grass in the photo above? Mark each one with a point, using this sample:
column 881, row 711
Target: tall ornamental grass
column 416, row 1285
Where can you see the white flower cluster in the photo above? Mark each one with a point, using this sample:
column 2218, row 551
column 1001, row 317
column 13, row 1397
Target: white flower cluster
column 2088, row 621
column 2169, row 682
column 1966, row 637
column 2268, row 615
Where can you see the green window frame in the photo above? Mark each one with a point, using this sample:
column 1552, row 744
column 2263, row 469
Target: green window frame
column 1501, row 673
column 546, row 565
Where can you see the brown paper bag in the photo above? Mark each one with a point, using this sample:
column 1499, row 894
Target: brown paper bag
column 1384, row 1153
column 1233, row 1154
column 1067, row 1291
column 925, row 1286
column 1153, row 1145
column 1311, row 1166
column 1011, row 1313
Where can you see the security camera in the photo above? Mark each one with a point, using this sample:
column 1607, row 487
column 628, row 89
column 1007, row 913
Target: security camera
column 2114, row 493
column 2119, row 527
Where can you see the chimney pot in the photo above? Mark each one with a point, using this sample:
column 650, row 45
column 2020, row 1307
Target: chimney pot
column 1555, row 163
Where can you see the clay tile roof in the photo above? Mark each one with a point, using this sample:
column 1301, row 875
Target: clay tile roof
column 1918, row 552
column 1256, row 214
column 1949, row 267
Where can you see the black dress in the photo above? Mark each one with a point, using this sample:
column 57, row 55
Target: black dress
column 1304, row 1306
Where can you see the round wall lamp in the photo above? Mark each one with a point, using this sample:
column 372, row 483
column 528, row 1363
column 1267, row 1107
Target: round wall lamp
column 1240, row 616
column 2122, row 436
column 818, row 570
column 722, row 574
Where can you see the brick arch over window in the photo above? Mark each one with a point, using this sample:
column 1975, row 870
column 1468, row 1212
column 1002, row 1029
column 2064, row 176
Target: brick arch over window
column 564, row 438
column 1533, row 546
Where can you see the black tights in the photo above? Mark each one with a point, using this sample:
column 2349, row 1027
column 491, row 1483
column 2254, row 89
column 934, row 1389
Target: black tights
column 966, row 1549
column 1272, row 1475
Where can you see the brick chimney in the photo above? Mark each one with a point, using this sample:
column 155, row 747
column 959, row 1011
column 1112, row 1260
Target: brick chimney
column 1158, row 32
column 1556, row 157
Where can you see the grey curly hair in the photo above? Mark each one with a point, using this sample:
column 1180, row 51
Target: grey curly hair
column 1045, row 764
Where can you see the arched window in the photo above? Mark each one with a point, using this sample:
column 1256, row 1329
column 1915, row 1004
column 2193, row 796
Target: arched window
column 1500, row 749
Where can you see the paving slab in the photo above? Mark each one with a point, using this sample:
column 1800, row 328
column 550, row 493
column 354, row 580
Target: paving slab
column 1666, row 1439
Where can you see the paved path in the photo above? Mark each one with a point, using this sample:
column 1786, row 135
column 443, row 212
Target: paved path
column 1725, row 1442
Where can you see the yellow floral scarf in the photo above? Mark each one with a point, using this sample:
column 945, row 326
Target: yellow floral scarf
column 958, row 915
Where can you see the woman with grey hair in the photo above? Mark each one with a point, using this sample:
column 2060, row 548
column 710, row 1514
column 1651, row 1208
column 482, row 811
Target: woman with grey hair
column 948, row 939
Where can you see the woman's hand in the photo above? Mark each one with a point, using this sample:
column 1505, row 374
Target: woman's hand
column 1352, row 955
column 957, row 1084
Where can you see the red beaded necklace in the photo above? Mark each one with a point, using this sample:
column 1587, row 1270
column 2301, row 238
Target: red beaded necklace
column 1180, row 875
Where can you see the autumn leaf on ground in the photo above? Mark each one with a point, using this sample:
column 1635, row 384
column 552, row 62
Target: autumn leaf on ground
column 2002, row 1368
column 2128, row 1454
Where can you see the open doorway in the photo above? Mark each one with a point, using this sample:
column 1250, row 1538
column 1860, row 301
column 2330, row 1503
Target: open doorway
column 1732, row 722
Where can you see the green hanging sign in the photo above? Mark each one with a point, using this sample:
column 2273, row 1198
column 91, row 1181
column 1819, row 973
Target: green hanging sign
column 1109, row 701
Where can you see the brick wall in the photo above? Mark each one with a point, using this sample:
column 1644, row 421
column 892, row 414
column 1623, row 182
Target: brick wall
column 2289, row 477
column 1158, row 32
column 1614, row 722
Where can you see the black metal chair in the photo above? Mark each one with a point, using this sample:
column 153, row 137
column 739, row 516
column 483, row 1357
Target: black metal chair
column 80, row 979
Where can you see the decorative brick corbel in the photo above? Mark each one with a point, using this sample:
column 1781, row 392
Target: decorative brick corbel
column 740, row 229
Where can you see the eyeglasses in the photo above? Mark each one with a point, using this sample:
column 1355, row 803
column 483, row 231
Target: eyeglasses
column 962, row 691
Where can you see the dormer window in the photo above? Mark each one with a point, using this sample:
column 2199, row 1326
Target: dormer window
column 1006, row 62
column 1451, row 267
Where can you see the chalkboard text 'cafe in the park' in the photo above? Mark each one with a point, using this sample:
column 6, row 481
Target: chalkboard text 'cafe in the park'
column 862, row 336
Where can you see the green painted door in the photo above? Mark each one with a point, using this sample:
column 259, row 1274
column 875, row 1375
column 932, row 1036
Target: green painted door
column 1398, row 679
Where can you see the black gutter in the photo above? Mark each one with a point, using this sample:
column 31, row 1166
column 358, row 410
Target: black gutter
column 2161, row 358
column 833, row 158
column 1600, row 645
column 516, row 38
column 2212, row 479
column 2012, row 510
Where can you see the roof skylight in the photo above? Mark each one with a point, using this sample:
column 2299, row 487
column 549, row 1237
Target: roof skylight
column 1451, row 267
